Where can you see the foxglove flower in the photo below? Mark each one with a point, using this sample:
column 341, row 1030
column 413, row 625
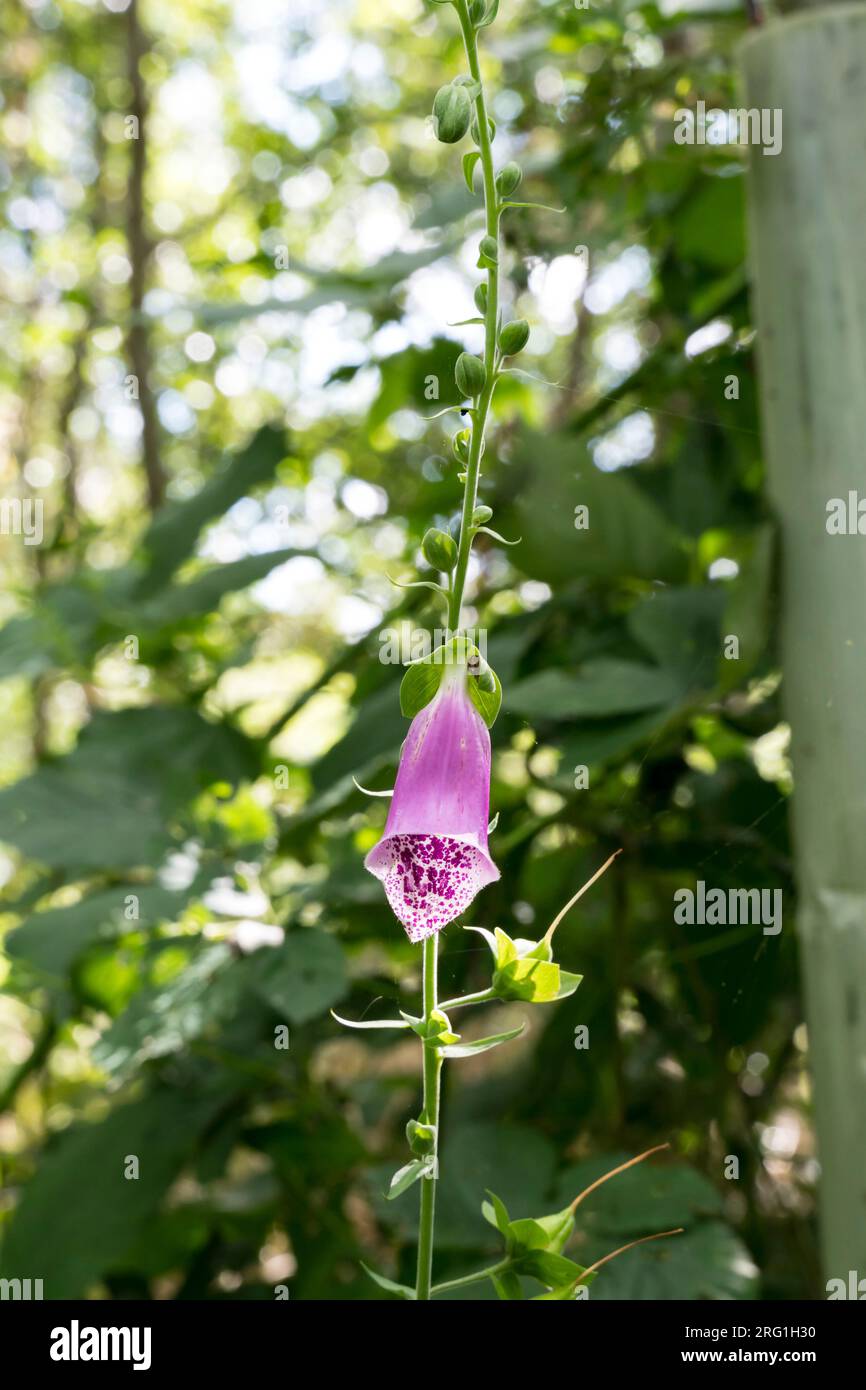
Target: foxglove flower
column 433, row 858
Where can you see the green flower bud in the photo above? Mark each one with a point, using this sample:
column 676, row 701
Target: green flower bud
column 439, row 549
column 513, row 337
column 481, row 516
column 452, row 111
column 460, row 445
column 508, row 178
column 477, row 10
column 489, row 249
column 422, row 1138
column 491, row 129
column 470, row 375
column 481, row 298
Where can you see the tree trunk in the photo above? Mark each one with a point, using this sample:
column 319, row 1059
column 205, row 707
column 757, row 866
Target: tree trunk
column 808, row 244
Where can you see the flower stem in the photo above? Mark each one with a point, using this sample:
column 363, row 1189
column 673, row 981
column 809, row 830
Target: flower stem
column 432, row 1056
column 475, row 1278
column 464, row 999
column 429, row 1116
column 479, row 418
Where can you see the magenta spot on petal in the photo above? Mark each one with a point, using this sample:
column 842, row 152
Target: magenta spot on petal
column 429, row 880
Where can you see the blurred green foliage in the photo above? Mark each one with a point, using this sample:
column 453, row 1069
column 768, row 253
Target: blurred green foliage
column 187, row 696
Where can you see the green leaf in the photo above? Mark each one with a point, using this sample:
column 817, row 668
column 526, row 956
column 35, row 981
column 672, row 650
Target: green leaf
column 409, row 1174
column 747, row 607
column 53, row 940
column 164, row 1018
column 472, row 1049
column 181, row 602
column 304, row 976
column 469, row 162
column 80, row 1193
column 680, row 629
column 628, row 535
column 402, row 1290
column 172, row 534
column 117, row 800
column 600, row 688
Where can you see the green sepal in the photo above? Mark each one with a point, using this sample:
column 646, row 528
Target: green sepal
column 469, row 162
column 560, row 1227
column 489, row 16
column 488, row 253
column 495, row 1213
column 486, row 531
column 525, row 1235
column 402, row 1290
column 406, row 1176
column 565, row 1292
column 421, row 1138
column 482, row 515
column 418, row 687
column 472, row 1049
column 507, row 1285
column 435, row 1031
column 439, row 549
column 370, row 1022
column 568, row 983
column 554, row 1270
column 533, row 981
column 487, row 702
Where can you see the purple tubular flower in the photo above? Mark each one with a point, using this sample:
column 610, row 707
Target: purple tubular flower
column 433, row 856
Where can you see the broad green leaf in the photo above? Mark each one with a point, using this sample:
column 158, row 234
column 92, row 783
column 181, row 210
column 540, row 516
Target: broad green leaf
column 304, row 976
column 54, row 939
column 680, row 630
column 113, row 802
column 627, row 533
column 599, row 689
column 80, row 1193
column 164, row 1018
column 180, row 602
column 172, row 535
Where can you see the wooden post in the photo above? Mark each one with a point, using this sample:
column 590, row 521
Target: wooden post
column 808, row 247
